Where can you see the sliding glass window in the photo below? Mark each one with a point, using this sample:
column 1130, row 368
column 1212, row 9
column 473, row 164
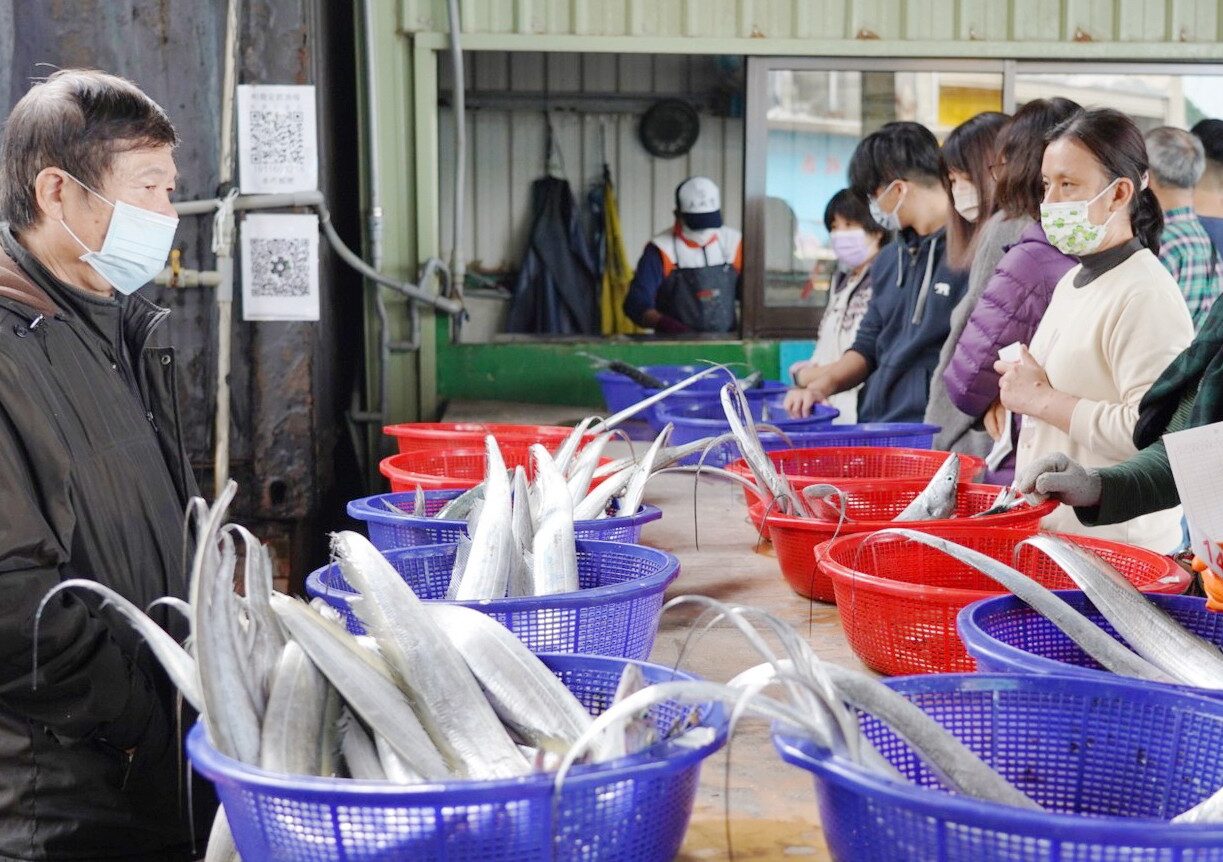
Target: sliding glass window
column 805, row 117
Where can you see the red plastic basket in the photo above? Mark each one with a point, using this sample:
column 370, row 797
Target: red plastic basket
column 437, row 469
column 870, row 505
column 899, row 599
column 809, row 466
column 430, row 436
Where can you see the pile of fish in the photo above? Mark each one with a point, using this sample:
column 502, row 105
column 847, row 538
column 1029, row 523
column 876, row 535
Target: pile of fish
column 437, row 692
column 1159, row 648
column 520, row 534
column 621, row 483
column 519, row 537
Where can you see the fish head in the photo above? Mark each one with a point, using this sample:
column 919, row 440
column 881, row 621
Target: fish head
column 941, row 496
column 819, row 501
column 949, row 473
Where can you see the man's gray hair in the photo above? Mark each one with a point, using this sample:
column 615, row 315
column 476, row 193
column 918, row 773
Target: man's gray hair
column 76, row 120
column 1176, row 156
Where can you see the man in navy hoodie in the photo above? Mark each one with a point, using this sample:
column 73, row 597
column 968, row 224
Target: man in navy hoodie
column 901, row 173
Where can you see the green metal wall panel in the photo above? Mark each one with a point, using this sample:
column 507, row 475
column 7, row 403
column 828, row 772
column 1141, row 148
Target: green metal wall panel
column 1089, row 19
column 820, row 19
column 553, row 373
column 875, row 19
column 769, row 22
column 982, row 20
column 768, row 17
column 1195, row 20
column 1142, row 20
column 1035, row 20
column 930, row 20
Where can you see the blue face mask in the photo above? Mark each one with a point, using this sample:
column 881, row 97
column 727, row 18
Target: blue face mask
column 135, row 248
column 887, row 221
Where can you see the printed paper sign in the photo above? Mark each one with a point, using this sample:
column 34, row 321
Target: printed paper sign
column 280, row 272
column 1196, row 456
column 277, row 139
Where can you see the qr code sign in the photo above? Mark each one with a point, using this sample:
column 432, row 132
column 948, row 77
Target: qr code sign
column 280, row 267
column 278, row 138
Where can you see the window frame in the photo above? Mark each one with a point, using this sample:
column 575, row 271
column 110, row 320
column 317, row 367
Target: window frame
column 797, row 322
column 789, row 321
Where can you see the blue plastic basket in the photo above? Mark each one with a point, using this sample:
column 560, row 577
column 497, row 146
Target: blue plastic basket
column 615, row 613
column 903, row 435
column 620, row 392
column 632, row 809
column 768, row 390
column 1004, row 635
column 708, row 419
column 389, row 532
column 1110, row 760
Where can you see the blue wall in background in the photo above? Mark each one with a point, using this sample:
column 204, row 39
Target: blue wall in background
column 790, row 352
column 805, row 169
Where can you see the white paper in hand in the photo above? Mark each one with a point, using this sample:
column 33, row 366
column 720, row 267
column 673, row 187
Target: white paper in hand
column 1196, row 456
column 1004, row 445
column 1010, row 353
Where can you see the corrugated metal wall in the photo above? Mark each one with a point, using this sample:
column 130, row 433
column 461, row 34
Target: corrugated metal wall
column 927, row 20
column 507, row 148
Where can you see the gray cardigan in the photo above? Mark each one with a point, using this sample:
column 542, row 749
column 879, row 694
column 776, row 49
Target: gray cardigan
column 958, row 434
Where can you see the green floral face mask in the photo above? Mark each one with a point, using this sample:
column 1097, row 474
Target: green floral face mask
column 1068, row 228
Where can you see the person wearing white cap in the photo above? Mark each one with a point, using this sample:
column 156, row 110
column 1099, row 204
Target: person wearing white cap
column 688, row 277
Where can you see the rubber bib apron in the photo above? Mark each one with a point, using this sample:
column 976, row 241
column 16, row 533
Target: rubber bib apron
column 702, row 298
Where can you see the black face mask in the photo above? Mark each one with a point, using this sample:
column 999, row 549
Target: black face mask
column 701, row 221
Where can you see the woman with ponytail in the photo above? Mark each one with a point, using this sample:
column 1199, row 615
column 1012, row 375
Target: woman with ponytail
column 1115, row 320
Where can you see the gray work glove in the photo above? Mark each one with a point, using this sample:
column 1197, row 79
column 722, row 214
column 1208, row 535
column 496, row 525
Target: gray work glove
column 1059, row 477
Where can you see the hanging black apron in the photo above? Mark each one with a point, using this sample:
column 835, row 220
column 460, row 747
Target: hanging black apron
column 702, row 297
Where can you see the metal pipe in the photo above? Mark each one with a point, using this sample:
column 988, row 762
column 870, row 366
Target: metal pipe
column 225, row 260
column 411, row 291
column 208, row 206
column 371, row 123
column 314, row 200
column 374, row 221
column 187, row 278
column 457, row 265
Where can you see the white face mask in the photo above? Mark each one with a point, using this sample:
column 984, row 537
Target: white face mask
column 135, row 247
column 700, row 237
column 1068, row 228
column 967, row 201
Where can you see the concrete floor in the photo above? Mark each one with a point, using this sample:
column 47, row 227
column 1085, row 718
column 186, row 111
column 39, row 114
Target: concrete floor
column 772, row 805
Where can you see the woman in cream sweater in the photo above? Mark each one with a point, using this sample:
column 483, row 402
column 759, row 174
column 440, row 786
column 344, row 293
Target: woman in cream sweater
column 1115, row 321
